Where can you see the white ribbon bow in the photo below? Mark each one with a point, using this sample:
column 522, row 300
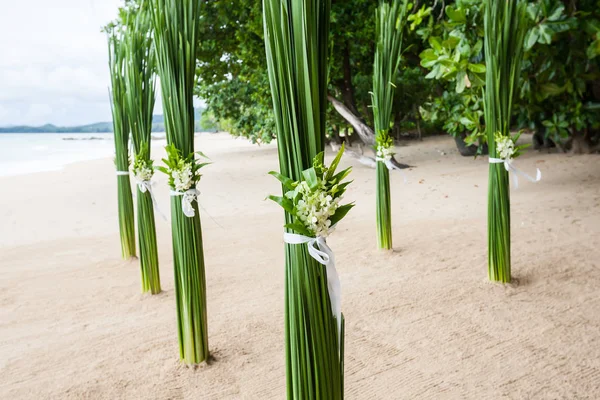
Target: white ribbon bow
column 146, row 186
column 320, row 251
column 388, row 163
column 122, row 173
column 189, row 196
column 508, row 166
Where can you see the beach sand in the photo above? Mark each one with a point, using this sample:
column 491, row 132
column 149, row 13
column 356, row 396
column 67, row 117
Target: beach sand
column 422, row 322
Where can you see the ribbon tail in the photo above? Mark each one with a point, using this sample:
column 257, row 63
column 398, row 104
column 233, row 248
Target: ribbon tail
column 392, row 167
column 515, row 175
column 334, row 287
column 537, row 178
column 322, row 253
column 155, row 204
column 187, row 208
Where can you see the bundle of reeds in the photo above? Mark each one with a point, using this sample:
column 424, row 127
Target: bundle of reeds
column 116, row 63
column 296, row 39
column 176, row 37
column 505, row 27
column 390, row 20
column 140, row 97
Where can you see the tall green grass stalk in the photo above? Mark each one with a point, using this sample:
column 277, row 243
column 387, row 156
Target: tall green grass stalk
column 116, row 63
column 296, row 39
column 140, row 96
column 505, row 27
column 176, row 37
column 390, row 20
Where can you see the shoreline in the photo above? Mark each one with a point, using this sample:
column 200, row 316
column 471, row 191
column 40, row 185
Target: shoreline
column 61, row 150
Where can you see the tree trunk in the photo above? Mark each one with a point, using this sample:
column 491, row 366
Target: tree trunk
column 364, row 131
column 347, row 86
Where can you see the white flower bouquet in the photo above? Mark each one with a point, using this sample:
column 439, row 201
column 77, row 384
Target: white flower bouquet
column 184, row 174
column 314, row 202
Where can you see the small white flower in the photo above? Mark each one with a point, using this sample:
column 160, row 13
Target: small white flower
column 505, row 147
column 385, row 153
column 183, row 179
column 315, row 208
column 142, row 172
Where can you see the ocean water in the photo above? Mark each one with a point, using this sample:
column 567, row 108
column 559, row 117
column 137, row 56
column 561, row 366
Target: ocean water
column 26, row 153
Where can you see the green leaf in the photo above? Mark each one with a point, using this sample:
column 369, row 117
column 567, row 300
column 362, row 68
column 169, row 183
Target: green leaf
column 201, row 165
column 339, row 189
column 285, row 181
column 476, row 80
column 340, row 213
column 551, row 89
column 556, row 13
column 283, row 202
column 201, row 154
column 435, row 43
column 335, row 163
column 478, row 68
column 467, row 122
column 310, row 176
column 460, row 82
column 456, row 15
column 545, row 34
column 452, row 42
column 299, row 228
column 477, row 48
column 516, row 136
column 428, row 55
column 594, row 49
column 531, row 38
column 341, row 175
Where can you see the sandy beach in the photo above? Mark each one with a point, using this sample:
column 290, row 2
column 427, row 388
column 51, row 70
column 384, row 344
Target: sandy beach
column 422, row 322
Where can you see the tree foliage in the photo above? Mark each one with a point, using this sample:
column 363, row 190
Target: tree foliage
column 440, row 78
column 559, row 74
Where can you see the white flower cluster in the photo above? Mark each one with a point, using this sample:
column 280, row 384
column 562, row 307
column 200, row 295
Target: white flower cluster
column 143, row 173
column 505, row 147
column 385, row 153
column 184, row 178
column 316, row 207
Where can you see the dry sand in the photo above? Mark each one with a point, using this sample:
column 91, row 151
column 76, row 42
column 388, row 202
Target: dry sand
column 422, row 321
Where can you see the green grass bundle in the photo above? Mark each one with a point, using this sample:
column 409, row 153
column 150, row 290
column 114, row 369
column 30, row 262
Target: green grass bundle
column 296, row 39
column 140, row 97
column 116, row 63
column 505, row 27
column 175, row 37
column 390, row 19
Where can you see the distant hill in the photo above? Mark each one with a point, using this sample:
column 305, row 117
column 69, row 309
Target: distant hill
column 100, row 127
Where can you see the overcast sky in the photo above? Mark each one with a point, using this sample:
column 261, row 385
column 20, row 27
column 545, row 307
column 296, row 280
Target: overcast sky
column 53, row 61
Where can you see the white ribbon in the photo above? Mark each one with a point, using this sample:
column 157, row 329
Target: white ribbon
column 122, row 173
column 320, row 251
column 388, row 163
column 508, row 166
column 146, row 186
column 189, row 196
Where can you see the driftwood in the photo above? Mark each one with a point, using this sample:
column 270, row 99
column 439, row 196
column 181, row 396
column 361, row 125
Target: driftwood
column 364, row 131
column 365, row 160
